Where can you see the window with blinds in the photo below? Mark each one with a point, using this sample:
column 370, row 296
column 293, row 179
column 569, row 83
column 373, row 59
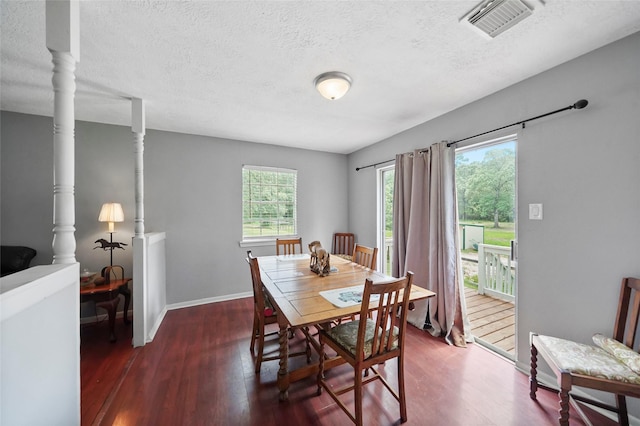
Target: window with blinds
column 269, row 197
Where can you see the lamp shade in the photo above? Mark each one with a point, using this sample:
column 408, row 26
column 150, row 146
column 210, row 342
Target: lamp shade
column 111, row 212
column 333, row 85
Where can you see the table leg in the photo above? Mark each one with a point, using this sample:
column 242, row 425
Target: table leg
column 283, row 372
column 124, row 290
column 110, row 306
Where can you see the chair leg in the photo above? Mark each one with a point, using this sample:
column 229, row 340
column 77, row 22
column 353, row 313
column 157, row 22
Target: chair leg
column 358, row 396
column 254, row 333
column 623, row 416
column 403, row 400
column 260, row 346
column 563, row 420
column 533, row 373
column 320, row 368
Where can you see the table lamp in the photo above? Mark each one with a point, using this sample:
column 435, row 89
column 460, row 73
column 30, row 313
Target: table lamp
column 111, row 213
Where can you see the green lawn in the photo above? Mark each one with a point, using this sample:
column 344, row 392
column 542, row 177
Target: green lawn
column 257, row 229
column 496, row 236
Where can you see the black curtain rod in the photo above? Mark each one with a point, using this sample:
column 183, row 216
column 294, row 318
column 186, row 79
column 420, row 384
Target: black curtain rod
column 578, row 105
column 374, row 164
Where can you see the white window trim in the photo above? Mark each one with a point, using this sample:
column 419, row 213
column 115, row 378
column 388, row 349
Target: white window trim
column 380, row 218
column 263, row 241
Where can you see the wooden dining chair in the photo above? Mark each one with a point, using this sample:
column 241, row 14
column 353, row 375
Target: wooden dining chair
column 612, row 365
column 263, row 315
column 112, row 273
column 109, row 274
column 365, row 343
column 365, row 256
column 288, row 245
column 343, row 243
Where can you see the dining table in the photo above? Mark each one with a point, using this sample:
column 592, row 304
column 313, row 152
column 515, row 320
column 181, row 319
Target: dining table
column 304, row 299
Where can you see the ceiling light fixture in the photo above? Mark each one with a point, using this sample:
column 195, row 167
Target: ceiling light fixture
column 333, row 85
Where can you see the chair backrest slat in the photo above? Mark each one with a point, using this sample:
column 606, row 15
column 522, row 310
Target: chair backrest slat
column 343, row 243
column 113, row 273
column 256, row 280
column 626, row 324
column 365, row 256
column 632, row 319
column 288, row 246
column 390, row 311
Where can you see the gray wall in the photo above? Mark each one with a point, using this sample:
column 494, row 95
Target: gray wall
column 104, row 172
column 192, row 192
column 582, row 165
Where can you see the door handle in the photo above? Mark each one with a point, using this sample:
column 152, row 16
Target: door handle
column 514, row 248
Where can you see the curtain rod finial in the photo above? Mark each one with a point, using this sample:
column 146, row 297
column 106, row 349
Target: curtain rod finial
column 581, row 104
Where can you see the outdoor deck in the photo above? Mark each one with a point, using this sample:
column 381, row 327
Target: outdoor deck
column 492, row 320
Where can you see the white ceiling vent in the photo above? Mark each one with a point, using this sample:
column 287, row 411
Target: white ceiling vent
column 493, row 17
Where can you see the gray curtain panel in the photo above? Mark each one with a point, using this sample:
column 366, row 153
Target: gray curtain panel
column 425, row 238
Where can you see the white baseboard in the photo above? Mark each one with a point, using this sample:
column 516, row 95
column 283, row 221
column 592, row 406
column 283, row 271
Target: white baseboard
column 208, row 300
column 156, row 326
column 152, row 333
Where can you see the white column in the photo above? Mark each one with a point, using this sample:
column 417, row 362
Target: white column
column 138, row 129
column 62, row 29
column 140, row 243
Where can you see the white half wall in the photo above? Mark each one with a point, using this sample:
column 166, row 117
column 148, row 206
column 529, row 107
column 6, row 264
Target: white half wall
column 40, row 351
column 150, row 287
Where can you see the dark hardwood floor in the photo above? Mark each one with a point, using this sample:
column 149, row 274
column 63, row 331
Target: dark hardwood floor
column 103, row 365
column 199, row 371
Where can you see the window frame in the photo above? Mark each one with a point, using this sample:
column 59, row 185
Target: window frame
column 380, row 216
column 269, row 238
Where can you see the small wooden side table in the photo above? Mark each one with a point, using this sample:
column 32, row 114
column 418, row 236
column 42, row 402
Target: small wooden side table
column 106, row 296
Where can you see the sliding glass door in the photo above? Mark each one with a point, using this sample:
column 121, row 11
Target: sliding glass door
column 385, row 218
column 486, row 187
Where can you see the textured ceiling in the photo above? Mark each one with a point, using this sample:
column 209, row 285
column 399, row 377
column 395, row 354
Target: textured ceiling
column 244, row 70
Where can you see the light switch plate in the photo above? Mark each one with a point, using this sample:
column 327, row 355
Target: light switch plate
column 535, row 211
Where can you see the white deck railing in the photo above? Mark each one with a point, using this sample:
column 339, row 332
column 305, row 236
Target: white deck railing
column 496, row 277
column 387, row 254
column 496, row 270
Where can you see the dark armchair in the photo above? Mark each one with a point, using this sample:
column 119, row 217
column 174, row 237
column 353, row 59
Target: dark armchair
column 15, row 258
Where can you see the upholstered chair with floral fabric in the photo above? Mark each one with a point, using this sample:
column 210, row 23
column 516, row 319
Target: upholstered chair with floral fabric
column 611, row 365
